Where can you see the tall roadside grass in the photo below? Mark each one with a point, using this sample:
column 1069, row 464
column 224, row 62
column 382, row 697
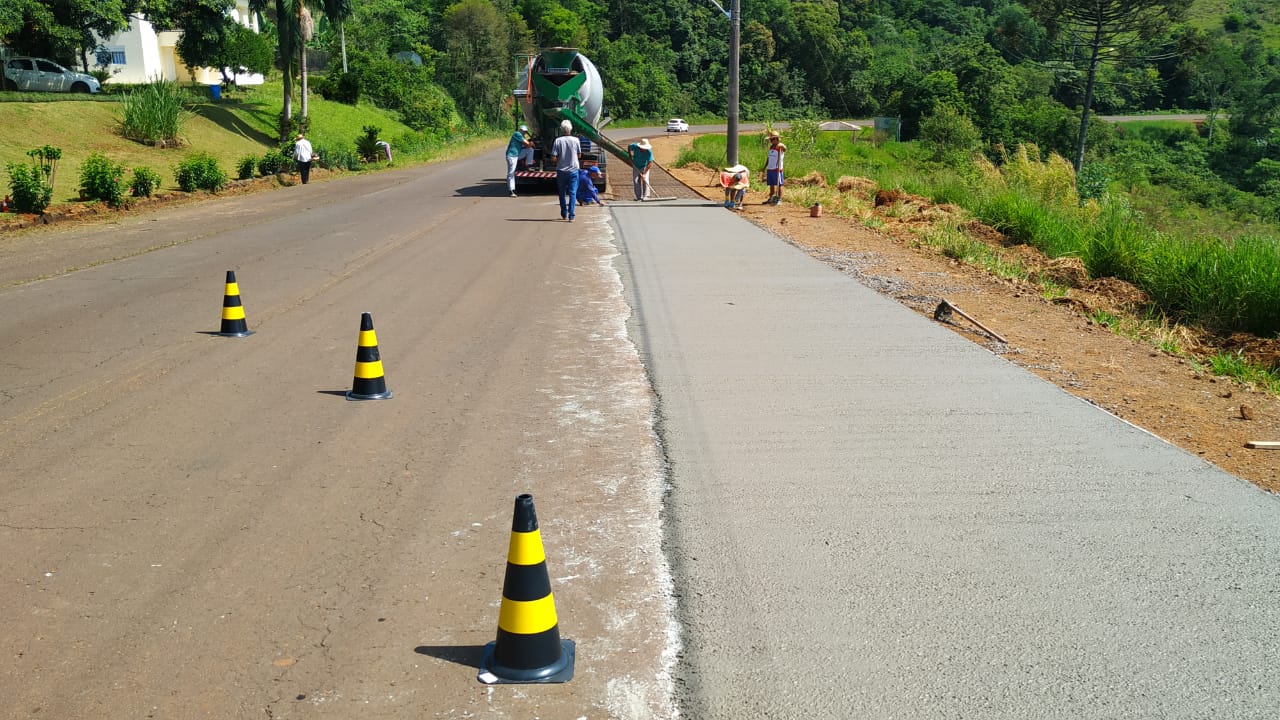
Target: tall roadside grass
column 154, row 113
column 1223, row 284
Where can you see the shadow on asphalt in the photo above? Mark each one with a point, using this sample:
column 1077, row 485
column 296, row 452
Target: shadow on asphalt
column 469, row 655
column 496, row 187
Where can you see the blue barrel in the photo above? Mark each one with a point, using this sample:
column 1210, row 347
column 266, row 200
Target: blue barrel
column 215, row 92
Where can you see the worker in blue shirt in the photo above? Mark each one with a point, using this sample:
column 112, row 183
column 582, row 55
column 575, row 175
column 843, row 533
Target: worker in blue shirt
column 587, row 192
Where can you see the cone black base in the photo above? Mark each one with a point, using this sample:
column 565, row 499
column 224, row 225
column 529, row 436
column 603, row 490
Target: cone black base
column 353, row 395
column 246, row 333
column 561, row 671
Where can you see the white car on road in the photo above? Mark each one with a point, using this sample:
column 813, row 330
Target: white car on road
column 40, row 75
column 677, row 125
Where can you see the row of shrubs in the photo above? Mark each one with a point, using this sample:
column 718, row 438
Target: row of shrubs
column 101, row 179
column 280, row 160
column 104, row 180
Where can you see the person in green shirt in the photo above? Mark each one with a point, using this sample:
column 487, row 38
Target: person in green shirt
column 519, row 146
column 641, row 162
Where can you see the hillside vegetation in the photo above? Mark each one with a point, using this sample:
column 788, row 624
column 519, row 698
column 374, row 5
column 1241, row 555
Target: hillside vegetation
column 240, row 126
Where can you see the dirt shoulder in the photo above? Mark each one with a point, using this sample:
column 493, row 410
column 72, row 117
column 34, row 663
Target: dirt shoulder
column 1208, row 416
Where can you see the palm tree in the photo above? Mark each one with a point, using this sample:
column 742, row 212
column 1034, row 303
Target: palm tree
column 284, row 13
column 338, row 11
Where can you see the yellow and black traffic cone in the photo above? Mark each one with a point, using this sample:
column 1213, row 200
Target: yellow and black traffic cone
column 369, row 383
column 233, row 324
column 528, row 648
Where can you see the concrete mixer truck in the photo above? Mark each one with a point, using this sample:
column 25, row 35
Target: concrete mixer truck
column 562, row 84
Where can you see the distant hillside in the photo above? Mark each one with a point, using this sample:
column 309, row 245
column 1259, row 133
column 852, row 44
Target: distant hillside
column 1256, row 17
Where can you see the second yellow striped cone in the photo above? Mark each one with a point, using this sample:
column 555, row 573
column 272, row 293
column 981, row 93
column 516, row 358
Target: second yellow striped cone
column 233, row 322
column 369, row 383
column 528, row 648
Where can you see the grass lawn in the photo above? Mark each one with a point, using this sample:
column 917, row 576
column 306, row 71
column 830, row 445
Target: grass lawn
column 243, row 123
column 333, row 124
column 80, row 128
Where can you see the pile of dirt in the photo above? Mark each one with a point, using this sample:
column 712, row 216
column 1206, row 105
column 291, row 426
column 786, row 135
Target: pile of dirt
column 1064, row 340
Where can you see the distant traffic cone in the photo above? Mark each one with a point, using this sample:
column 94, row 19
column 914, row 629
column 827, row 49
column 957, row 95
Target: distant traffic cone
column 528, row 648
column 369, row 383
column 233, row 324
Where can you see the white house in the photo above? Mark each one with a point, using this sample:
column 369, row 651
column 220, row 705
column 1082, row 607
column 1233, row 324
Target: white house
column 141, row 54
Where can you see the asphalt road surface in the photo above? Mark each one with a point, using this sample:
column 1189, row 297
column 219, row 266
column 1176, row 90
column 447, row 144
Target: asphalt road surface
column 199, row 526
column 865, row 515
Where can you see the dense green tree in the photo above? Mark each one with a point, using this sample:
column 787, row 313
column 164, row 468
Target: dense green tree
column 1017, row 34
column 641, row 79
column 63, row 30
column 476, row 67
column 205, row 29
column 1098, row 32
column 554, row 25
column 244, row 51
column 381, row 28
column 1216, row 76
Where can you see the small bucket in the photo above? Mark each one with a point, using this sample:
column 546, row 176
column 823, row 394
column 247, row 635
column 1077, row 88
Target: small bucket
column 815, row 210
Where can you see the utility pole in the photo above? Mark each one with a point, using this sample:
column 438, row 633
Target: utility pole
column 735, row 45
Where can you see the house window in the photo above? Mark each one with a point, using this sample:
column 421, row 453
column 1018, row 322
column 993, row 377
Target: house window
column 110, row 56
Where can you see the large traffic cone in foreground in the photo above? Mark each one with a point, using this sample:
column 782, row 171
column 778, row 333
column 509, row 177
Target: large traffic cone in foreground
column 369, row 383
column 528, row 648
column 233, row 324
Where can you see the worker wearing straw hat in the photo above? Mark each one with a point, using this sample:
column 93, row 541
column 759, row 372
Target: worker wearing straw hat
column 773, row 168
column 641, row 162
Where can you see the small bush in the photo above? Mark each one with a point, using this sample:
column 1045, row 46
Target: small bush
column 101, row 179
column 949, row 135
column 145, row 182
column 272, row 162
column 430, row 108
column 804, row 136
column 246, row 166
column 200, row 171
column 31, row 192
column 1092, row 180
column 340, row 87
column 32, row 184
column 338, row 159
column 367, row 144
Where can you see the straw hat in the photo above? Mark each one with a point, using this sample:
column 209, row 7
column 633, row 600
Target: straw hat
column 298, row 136
column 736, row 177
column 773, row 135
column 644, row 144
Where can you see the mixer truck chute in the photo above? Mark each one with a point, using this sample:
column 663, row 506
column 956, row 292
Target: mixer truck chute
column 555, row 85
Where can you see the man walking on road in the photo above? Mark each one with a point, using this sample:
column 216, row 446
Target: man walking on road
column 641, row 162
column 302, row 155
column 520, row 146
column 565, row 151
